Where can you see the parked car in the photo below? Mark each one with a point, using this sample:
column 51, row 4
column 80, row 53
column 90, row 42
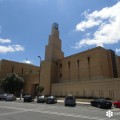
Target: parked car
column 3, row 96
column 51, row 99
column 28, row 98
column 70, row 101
column 116, row 104
column 101, row 103
column 10, row 97
column 41, row 99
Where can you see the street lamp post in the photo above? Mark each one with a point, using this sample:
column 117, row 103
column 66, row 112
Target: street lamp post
column 39, row 70
column 21, row 94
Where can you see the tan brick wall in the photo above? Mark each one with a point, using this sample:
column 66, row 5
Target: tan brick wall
column 95, row 78
column 30, row 80
column 7, row 66
column 101, row 88
column 45, row 77
column 118, row 65
column 53, row 49
column 30, row 73
column 98, row 68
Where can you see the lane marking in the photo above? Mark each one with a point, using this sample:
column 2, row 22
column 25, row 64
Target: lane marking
column 24, row 109
column 72, row 115
column 52, row 113
column 11, row 113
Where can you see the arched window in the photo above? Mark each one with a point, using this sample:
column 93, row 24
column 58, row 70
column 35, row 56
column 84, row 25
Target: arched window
column 12, row 69
column 60, row 75
column 22, row 71
column 69, row 70
column 78, row 63
column 60, row 65
column 69, row 65
column 30, row 71
column 88, row 58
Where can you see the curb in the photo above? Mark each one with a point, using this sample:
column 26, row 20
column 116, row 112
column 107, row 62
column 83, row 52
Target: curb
column 86, row 103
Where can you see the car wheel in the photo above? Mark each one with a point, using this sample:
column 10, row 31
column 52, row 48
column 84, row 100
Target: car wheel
column 74, row 105
column 66, row 105
column 91, row 104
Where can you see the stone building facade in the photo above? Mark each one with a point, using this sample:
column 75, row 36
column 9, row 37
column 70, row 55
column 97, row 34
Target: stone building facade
column 29, row 72
column 94, row 72
column 91, row 73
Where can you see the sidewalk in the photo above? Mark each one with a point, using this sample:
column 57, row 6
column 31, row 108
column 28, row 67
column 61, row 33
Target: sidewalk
column 78, row 102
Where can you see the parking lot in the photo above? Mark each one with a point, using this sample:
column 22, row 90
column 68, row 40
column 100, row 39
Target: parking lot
column 18, row 110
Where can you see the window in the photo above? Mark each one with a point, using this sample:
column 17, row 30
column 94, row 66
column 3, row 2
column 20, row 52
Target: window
column 22, row 71
column 57, row 63
column 78, row 61
column 60, row 65
column 30, row 71
column 60, row 75
column 88, row 59
column 12, row 69
column 68, row 64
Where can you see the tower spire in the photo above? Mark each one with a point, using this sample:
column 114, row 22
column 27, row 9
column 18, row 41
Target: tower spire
column 53, row 49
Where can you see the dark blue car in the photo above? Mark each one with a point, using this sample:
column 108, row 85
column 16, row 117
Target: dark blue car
column 51, row 100
column 101, row 103
column 70, row 101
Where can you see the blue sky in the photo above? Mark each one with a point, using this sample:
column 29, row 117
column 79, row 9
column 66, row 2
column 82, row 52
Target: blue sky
column 83, row 24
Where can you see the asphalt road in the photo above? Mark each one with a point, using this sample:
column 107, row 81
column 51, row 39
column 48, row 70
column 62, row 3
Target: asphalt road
column 36, row 111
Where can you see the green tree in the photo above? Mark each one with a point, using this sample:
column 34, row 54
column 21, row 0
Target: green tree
column 39, row 89
column 12, row 83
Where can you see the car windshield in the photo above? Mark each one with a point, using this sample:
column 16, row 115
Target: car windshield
column 41, row 97
column 101, row 100
column 4, row 94
column 69, row 98
column 10, row 95
column 27, row 96
column 104, row 101
column 51, row 97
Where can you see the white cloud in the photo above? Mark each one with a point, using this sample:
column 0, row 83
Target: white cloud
column 117, row 50
column 11, row 48
column 5, row 40
column 5, row 49
column 108, row 31
column 18, row 47
column 87, row 24
column 87, row 34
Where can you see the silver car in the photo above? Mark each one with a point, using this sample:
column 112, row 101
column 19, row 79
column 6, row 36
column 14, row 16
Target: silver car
column 10, row 97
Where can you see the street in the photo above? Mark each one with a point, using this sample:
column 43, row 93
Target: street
column 36, row 111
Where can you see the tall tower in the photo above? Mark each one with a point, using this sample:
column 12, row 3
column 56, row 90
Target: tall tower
column 48, row 73
column 53, row 49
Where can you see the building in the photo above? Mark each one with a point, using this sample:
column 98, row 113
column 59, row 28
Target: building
column 91, row 73
column 29, row 72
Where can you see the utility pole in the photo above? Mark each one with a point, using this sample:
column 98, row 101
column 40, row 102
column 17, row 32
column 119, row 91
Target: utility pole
column 39, row 70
